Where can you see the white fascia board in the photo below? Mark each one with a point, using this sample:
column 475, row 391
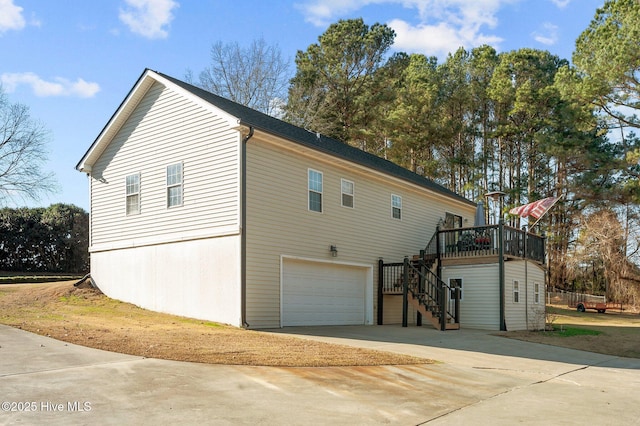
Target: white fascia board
column 115, row 123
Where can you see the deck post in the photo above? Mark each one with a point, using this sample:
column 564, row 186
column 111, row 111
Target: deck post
column 380, row 290
column 405, row 291
column 457, row 307
column 443, row 304
column 438, row 253
column 503, row 325
column 421, row 284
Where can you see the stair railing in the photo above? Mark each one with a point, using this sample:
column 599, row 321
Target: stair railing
column 434, row 296
column 431, row 252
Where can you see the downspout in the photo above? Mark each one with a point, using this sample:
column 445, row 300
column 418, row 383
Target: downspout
column 243, row 225
column 526, row 281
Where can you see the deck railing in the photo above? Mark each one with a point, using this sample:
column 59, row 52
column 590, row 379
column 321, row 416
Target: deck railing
column 485, row 241
column 416, row 278
column 422, row 276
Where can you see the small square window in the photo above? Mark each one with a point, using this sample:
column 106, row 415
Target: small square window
column 396, row 206
column 315, row 191
column 132, row 183
column 516, row 291
column 174, row 185
column 347, row 189
column 456, row 283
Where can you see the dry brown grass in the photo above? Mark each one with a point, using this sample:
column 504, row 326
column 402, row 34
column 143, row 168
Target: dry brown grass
column 87, row 317
column 617, row 333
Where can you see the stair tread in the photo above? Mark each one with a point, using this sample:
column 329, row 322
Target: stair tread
column 424, row 302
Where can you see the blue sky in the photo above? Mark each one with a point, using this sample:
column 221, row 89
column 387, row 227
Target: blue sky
column 73, row 61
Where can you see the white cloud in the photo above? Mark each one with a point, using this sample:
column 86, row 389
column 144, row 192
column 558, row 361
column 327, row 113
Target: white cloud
column 437, row 40
column 441, row 26
column 148, row 18
column 425, row 38
column 548, row 36
column 58, row 87
column 10, row 16
column 322, row 12
column 561, row 3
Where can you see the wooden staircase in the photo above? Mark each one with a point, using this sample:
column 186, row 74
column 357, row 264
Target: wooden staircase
column 421, row 289
column 433, row 315
column 425, row 291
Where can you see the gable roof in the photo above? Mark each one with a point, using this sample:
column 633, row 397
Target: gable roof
column 260, row 121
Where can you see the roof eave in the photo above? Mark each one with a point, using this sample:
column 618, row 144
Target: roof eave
column 113, row 125
column 137, row 92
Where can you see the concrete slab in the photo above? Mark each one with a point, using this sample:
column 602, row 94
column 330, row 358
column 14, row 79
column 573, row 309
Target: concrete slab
column 482, row 379
column 22, row 352
column 554, row 385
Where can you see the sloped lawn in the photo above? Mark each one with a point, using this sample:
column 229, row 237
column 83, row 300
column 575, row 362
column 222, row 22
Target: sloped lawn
column 87, row 317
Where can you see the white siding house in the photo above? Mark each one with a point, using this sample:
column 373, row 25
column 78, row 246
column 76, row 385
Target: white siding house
column 524, row 296
column 524, row 309
column 480, row 296
column 204, row 208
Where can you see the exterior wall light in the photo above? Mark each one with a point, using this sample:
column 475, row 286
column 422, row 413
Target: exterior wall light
column 334, row 251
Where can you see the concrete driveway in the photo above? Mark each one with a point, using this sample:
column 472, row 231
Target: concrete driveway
column 481, row 379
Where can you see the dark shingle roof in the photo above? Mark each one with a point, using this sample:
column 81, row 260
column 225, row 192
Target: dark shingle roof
column 303, row 137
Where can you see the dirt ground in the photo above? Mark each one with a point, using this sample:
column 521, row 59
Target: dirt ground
column 86, row 317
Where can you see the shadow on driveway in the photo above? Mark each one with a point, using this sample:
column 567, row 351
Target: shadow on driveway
column 465, row 347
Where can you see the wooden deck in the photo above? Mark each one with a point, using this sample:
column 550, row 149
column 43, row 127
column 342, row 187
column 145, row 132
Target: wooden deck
column 419, row 281
column 483, row 245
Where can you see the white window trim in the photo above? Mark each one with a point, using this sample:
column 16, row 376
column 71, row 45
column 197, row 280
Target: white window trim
column 309, row 190
column 536, row 293
column 127, row 195
column 461, row 285
column 516, row 290
column 353, row 194
column 181, row 185
column 394, row 207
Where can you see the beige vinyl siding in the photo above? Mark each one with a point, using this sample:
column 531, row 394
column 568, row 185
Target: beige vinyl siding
column 280, row 223
column 167, row 128
column 480, row 307
column 516, row 317
column 392, row 312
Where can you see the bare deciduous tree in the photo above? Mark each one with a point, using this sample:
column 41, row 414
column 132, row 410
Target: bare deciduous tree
column 256, row 76
column 601, row 245
column 22, row 153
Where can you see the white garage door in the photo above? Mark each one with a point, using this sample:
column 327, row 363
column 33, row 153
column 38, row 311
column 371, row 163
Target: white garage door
column 315, row 293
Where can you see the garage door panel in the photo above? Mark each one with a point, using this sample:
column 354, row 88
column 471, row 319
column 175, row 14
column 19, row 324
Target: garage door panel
column 317, row 293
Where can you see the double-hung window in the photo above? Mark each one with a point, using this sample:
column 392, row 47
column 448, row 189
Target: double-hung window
column 516, row 291
column 315, row 190
column 133, row 194
column 174, row 185
column 347, row 189
column 536, row 293
column 396, row 206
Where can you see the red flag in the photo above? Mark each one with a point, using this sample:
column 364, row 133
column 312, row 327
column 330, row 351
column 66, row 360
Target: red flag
column 536, row 209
